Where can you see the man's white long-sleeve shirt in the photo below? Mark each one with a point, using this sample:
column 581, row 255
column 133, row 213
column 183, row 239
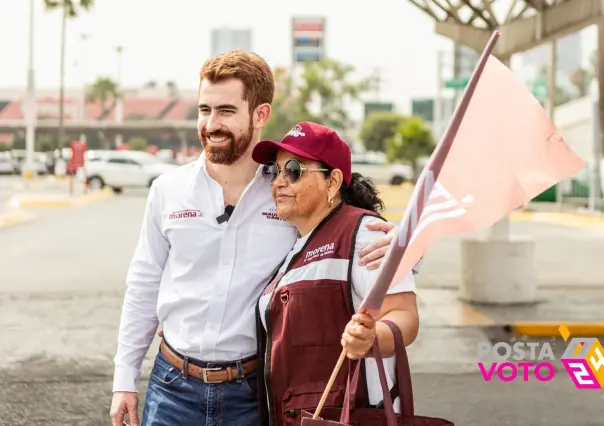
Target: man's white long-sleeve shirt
column 199, row 279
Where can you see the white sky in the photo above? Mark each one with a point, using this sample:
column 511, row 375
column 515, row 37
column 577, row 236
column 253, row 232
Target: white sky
column 169, row 40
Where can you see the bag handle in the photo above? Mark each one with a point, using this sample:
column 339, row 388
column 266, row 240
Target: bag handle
column 403, row 372
column 350, row 395
column 403, row 381
column 351, row 386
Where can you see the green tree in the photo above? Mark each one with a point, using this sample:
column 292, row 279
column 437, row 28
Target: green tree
column 562, row 95
column 44, row 143
column 137, row 143
column 4, row 147
column 104, row 90
column 581, row 79
column 322, row 93
column 330, row 85
column 413, row 140
column 71, row 9
column 286, row 109
column 378, row 127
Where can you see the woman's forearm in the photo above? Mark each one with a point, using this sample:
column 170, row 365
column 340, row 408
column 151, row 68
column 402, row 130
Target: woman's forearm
column 407, row 322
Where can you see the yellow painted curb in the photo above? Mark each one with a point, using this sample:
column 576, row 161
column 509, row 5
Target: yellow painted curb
column 15, row 218
column 551, row 329
column 574, row 220
column 66, row 202
column 393, row 217
column 95, row 197
column 385, row 188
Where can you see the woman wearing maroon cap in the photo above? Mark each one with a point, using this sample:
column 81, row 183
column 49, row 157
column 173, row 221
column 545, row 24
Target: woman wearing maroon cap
column 315, row 294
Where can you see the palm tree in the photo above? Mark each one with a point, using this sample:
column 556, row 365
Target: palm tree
column 71, row 9
column 103, row 90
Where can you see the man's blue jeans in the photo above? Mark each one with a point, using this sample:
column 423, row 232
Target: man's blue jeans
column 173, row 400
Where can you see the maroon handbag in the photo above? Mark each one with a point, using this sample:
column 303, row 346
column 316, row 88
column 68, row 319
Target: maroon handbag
column 349, row 415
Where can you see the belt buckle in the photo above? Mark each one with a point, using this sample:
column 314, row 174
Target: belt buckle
column 205, row 374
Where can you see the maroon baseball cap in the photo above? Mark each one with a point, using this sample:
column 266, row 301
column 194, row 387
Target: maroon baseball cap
column 312, row 141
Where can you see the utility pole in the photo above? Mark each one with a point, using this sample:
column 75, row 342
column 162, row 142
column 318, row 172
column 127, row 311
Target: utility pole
column 83, row 70
column 30, row 110
column 438, row 102
column 119, row 106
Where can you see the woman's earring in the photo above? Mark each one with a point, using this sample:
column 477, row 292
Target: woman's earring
column 330, row 201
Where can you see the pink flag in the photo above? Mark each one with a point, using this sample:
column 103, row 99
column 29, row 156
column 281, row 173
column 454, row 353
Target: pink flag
column 499, row 152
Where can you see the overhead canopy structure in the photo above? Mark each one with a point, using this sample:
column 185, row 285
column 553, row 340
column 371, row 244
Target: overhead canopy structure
column 524, row 24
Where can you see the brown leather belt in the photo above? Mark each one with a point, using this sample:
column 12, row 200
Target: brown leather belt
column 208, row 375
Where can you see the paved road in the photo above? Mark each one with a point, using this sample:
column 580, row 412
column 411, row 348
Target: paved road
column 61, row 287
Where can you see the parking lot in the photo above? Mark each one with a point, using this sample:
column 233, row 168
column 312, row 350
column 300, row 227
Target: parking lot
column 61, row 288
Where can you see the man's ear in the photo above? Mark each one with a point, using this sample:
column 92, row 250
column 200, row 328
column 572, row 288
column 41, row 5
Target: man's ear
column 261, row 115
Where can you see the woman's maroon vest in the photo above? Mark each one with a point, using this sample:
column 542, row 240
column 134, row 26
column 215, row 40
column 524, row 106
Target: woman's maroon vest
column 306, row 318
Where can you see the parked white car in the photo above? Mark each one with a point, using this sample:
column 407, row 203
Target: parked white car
column 378, row 169
column 7, row 165
column 124, row 169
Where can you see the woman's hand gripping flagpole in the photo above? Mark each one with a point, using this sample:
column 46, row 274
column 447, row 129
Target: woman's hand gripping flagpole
column 373, row 302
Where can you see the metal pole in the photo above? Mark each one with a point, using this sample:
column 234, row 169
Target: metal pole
column 438, row 102
column 500, row 231
column 595, row 190
column 61, row 132
column 119, row 106
column 30, row 110
column 551, row 103
column 83, row 70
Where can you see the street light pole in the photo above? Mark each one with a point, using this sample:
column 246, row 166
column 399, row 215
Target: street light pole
column 119, row 106
column 83, row 69
column 30, row 110
column 438, row 102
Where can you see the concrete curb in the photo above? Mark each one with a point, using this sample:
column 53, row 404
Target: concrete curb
column 15, row 218
column 62, row 202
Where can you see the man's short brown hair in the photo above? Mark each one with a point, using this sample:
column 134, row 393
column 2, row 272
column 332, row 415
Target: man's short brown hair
column 251, row 69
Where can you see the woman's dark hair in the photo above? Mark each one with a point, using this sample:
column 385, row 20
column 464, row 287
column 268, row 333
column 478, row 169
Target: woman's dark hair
column 361, row 192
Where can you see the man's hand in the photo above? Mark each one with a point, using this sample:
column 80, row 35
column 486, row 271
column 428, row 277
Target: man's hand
column 359, row 335
column 374, row 253
column 124, row 403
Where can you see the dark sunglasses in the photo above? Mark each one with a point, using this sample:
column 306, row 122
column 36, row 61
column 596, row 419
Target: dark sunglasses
column 292, row 171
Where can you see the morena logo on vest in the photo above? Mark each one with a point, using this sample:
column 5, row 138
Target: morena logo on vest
column 322, row 251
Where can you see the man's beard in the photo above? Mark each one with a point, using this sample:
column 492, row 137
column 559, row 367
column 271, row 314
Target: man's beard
column 230, row 153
